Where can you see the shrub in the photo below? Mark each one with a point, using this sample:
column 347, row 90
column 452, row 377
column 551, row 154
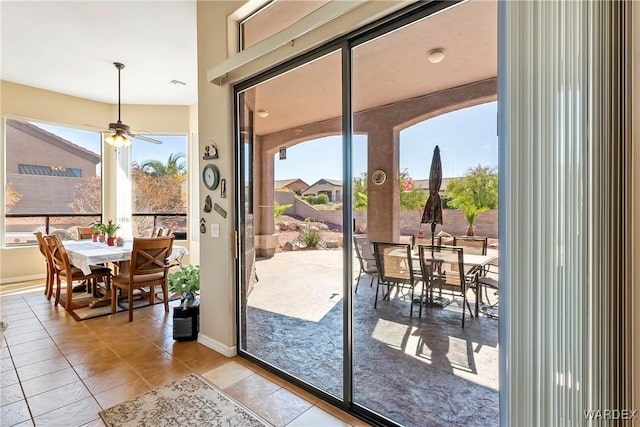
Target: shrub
column 309, row 236
column 320, row 199
column 279, row 209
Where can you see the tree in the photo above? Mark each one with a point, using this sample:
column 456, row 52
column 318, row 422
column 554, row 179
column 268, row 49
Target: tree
column 475, row 193
column 87, row 196
column 12, row 197
column 175, row 165
column 360, row 198
column 411, row 197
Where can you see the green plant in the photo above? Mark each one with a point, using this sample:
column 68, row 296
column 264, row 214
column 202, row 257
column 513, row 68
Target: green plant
column 110, row 228
column 97, row 227
column 309, row 236
column 185, row 280
column 279, row 209
column 474, row 193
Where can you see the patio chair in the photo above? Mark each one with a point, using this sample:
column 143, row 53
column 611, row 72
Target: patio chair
column 395, row 269
column 424, row 239
column 443, row 268
column 149, row 268
column 474, row 245
column 364, row 253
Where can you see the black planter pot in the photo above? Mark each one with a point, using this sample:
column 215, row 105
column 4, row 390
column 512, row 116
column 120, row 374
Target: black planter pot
column 186, row 323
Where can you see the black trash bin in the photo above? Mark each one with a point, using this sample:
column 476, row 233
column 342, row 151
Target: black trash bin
column 186, row 323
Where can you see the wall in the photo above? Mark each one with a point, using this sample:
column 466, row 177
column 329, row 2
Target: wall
column 24, row 102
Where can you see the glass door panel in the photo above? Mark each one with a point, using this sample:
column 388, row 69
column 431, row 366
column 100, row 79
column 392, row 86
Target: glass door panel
column 412, row 91
column 291, row 223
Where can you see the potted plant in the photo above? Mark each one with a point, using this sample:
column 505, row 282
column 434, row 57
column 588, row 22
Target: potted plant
column 110, row 230
column 96, row 229
column 186, row 317
column 186, row 280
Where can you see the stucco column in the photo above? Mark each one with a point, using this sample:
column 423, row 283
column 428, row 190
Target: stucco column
column 383, row 213
column 263, row 198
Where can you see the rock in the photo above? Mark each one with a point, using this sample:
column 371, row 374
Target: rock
column 290, row 246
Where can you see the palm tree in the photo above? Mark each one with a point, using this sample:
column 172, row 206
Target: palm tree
column 176, row 165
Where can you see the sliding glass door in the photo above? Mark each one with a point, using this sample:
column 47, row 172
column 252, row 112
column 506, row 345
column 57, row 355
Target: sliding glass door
column 292, row 230
column 334, row 150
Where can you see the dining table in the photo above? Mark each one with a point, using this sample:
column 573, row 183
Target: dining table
column 474, row 262
column 84, row 253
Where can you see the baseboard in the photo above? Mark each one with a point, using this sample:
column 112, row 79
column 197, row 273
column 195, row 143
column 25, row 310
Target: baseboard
column 9, row 280
column 217, row 346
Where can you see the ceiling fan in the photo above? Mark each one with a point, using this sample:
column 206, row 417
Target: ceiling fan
column 121, row 133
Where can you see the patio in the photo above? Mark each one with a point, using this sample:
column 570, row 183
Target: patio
column 418, row 371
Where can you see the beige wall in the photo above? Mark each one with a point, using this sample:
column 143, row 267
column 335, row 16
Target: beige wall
column 24, row 102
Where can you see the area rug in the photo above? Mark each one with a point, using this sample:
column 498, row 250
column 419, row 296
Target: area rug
column 83, row 300
column 190, row 401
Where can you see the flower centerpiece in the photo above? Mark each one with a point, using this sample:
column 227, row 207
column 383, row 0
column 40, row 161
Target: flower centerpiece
column 110, row 230
column 186, row 281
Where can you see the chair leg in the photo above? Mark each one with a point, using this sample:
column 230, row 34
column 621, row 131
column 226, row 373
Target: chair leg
column 165, row 296
column 114, row 298
column 358, row 281
column 130, row 295
column 375, row 302
column 57, row 300
column 69, row 293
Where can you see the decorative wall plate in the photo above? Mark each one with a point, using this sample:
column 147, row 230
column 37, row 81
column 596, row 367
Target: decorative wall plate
column 378, row 177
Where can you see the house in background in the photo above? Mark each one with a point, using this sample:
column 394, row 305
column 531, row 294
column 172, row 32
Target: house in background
column 47, row 163
column 297, row 185
column 331, row 187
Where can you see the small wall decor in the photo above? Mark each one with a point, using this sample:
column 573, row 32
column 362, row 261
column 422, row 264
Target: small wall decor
column 378, row 176
column 282, row 153
column 210, row 152
column 203, row 226
column 219, row 209
column 223, row 188
column 208, row 204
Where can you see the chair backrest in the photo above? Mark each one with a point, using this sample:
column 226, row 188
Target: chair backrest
column 165, row 232
column 423, row 239
column 394, row 261
column 44, row 249
column 84, row 233
column 364, row 249
column 155, row 231
column 59, row 256
column 443, row 264
column 474, row 245
column 149, row 255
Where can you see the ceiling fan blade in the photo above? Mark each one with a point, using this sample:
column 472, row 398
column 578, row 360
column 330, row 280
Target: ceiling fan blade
column 145, row 138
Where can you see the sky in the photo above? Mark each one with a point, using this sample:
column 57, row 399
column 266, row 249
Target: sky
column 467, row 138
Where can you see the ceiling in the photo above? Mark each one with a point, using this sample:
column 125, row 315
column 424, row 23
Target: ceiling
column 70, row 46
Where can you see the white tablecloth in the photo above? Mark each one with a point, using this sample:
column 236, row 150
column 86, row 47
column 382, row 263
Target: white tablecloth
column 84, row 253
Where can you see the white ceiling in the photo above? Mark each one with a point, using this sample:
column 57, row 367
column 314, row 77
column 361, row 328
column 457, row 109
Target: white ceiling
column 70, row 46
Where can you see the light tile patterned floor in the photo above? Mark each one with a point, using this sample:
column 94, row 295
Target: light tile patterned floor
column 60, row 372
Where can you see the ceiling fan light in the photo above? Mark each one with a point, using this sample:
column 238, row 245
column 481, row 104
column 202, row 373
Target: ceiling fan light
column 118, row 140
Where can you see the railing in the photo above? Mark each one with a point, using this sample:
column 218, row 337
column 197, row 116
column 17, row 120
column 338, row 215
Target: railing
column 24, row 237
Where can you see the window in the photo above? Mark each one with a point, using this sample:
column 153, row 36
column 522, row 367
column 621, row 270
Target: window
column 273, row 17
column 53, row 180
column 159, row 185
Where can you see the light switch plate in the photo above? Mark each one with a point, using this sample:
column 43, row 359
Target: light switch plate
column 215, row 230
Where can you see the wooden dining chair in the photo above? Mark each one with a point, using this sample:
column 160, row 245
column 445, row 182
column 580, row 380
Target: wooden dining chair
column 395, row 269
column 84, row 233
column 165, row 232
column 50, row 269
column 155, row 231
column 64, row 270
column 148, row 268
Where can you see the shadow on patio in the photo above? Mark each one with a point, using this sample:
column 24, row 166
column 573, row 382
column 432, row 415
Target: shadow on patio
column 416, row 371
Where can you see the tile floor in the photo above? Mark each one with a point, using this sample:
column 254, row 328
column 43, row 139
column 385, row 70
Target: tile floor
column 56, row 371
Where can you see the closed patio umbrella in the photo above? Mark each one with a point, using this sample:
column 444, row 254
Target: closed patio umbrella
column 432, row 213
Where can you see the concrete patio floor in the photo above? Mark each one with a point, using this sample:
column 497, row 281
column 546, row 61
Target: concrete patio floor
column 417, row 371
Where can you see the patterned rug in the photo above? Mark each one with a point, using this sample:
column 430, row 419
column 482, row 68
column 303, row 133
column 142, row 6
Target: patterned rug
column 190, row 401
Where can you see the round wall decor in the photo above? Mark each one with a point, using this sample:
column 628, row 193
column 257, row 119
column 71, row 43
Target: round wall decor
column 211, row 176
column 378, row 176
